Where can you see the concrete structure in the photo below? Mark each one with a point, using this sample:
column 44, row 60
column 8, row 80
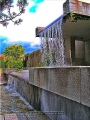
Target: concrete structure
column 66, row 41
column 76, row 6
column 62, row 93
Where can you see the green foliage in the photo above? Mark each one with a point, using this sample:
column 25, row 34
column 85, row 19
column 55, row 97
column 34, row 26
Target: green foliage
column 12, row 63
column 40, row 64
column 2, row 64
column 75, row 17
column 14, row 51
column 22, row 1
column 13, row 56
column 19, row 65
column 25, row 60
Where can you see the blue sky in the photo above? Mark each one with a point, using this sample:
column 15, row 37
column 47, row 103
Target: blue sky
column 38, row 13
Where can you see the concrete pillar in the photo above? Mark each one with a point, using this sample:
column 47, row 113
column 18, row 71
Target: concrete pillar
column 72, row 40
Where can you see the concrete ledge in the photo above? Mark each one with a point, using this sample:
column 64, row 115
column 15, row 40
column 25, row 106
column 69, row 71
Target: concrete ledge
column 8, row 70
column 22, row 75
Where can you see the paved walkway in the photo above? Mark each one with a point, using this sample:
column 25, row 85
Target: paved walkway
column 14, row 107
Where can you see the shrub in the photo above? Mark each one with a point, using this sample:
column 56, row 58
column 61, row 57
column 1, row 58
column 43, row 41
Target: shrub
column 2, row 64
column 13, row 63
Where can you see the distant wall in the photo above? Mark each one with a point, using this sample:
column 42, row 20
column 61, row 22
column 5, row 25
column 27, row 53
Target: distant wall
column 33, row 59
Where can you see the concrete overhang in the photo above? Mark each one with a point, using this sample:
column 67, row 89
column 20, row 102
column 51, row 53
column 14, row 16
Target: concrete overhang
column 79, row 29
column 39, row 30
column 76, row 28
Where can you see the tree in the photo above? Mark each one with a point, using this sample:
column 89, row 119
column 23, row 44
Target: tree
column 13, row 56
column 7, row 5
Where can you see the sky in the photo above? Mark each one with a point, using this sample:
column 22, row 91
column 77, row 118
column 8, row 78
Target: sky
column 39, row 13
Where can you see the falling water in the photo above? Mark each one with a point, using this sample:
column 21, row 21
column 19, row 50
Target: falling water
column 52, row 45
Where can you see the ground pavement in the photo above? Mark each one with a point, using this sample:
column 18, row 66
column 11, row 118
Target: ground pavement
column 14, row 107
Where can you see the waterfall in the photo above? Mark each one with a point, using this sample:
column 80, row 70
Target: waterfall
column 53, row 45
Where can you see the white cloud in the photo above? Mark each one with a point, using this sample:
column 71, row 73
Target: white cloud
column 88, row 1
column 46, row 13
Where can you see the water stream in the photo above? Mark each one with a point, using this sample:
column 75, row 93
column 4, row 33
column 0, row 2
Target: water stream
column 52, row 45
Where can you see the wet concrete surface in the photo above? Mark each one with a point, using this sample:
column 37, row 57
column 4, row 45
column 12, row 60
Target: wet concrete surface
column 11, row 102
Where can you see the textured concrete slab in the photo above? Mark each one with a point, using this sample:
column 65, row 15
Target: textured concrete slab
column 64, row 81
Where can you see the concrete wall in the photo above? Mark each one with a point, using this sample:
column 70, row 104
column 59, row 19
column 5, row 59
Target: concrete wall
column 70, row 82
column 79, row 49
column 87, row 52
column 85, row 86
column 68, row 51
column 62, row 108
column 77, row 52
column 61, row 93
